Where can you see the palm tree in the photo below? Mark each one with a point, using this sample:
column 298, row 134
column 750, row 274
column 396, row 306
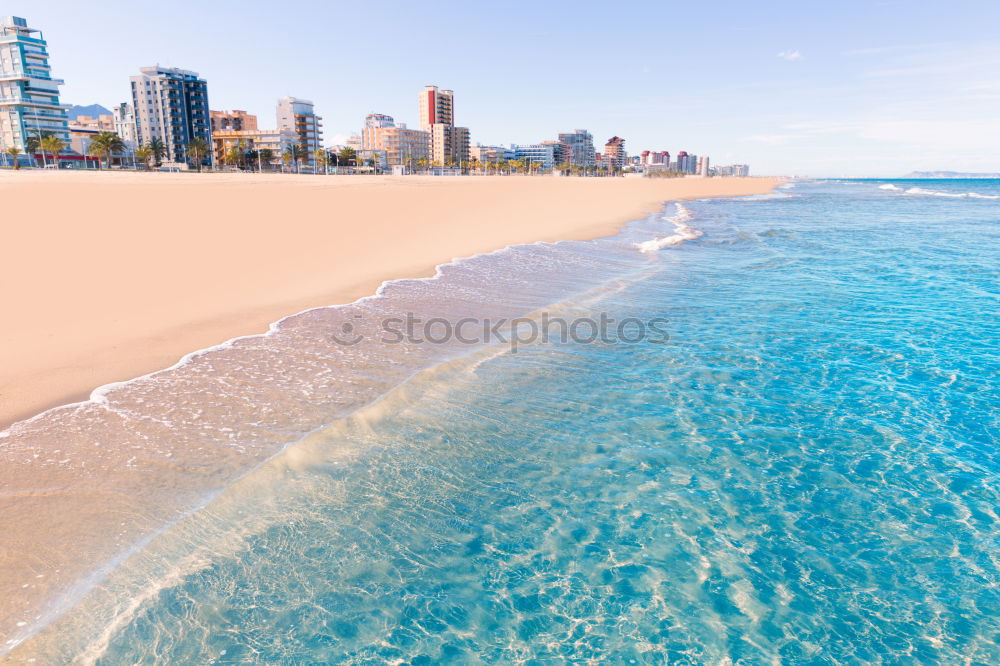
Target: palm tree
column 233, row 156
column 197, row 149
column 347, row 155
column 293, row 155
column 14, row 151
column 105, row 144
column 144, row 154
column 52, row 145
column 33, row 146
column 159, row 150
column 241, row 146
column 266, row 156
column 322, row 159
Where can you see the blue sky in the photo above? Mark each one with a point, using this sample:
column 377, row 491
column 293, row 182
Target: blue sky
column 810, row 88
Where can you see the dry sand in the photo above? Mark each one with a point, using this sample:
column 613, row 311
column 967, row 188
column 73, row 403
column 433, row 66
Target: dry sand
column 108, row 276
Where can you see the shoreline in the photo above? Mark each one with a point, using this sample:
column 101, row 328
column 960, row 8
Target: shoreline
column 39, row 378
column 53, row 490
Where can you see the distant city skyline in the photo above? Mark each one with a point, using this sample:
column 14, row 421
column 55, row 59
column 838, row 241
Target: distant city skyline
column 848, row 89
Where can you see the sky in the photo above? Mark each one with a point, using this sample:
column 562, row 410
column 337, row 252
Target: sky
column 844, row 88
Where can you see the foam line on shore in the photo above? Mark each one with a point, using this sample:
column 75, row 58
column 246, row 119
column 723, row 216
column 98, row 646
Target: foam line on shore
column 682, row 232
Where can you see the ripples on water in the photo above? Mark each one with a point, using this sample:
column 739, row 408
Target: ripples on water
column 805, row 473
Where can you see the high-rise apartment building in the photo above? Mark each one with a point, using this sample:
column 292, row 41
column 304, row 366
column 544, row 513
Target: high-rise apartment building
column 232, row 121
column 171, row 105
column 581, row 143
column 437, row 107
column 691, row 165
column 449, row 144
column 703, row 167
column 300, row 116
column 441, row 141
column 614, row 153
column 682, row 161
column 29, row 96
column 124, row 117
column 655, row 158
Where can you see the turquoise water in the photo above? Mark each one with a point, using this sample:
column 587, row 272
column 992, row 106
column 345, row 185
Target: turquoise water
column 805, row 473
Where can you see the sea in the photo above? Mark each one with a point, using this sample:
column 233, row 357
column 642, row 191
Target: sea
column 754, row 430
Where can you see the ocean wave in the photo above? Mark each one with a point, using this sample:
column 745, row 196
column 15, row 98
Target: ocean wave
column 890, row 187
column 684, row 232
column 951, row 195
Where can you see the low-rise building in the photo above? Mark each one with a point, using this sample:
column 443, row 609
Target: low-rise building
column 400, row 145
column 537, row 154
column 275, row 140
column 487, row 154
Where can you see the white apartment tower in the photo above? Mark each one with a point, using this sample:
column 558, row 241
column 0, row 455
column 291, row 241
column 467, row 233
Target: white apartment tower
column 124, row 116
column 29, row 96
column 300, row 116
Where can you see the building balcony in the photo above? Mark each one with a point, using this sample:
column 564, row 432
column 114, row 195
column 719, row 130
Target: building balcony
column 26, row 101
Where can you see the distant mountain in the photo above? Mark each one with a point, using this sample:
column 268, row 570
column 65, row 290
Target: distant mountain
column 93, row 110
column 949, row 174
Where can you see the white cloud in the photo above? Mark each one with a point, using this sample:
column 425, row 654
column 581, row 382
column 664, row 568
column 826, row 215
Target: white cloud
column 790, row 55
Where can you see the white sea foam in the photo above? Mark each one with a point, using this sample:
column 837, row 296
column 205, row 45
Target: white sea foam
column 888, row 186
column 683, row 232
column 951, row 195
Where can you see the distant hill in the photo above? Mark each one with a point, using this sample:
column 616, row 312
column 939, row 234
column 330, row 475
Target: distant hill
column 949, row 174
column 92, row 110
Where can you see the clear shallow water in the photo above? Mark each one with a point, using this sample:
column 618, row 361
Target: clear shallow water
column 807, row 472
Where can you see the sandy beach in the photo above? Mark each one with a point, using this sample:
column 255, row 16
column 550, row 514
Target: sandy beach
column 109, row 276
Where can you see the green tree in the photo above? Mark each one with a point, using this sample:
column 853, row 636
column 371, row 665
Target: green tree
column 144, row 154
column 159, row 150
column 33, row 145
column 233, row 156
column 266, row 156
column 293, row 155
column 347, row 155
column 197, row 150
column 105, row 144
column 322, row 159
column 52, row 145
column 14, row 151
